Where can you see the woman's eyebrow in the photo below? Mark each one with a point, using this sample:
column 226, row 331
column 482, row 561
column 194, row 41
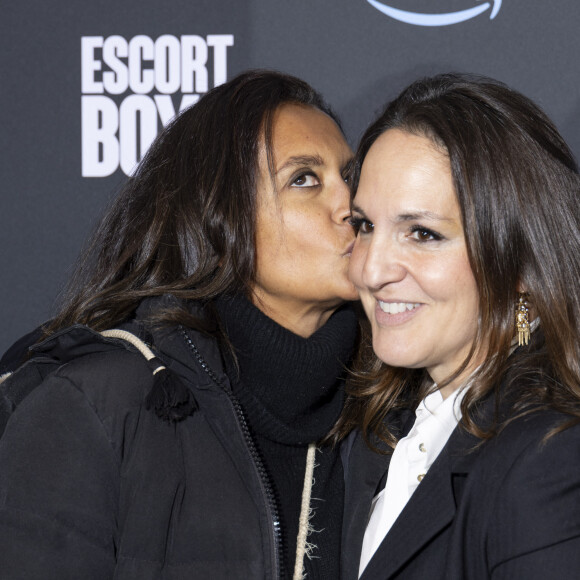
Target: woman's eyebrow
column 408, row 217
column 357, row 209
column 301, row 160
column 420, row 215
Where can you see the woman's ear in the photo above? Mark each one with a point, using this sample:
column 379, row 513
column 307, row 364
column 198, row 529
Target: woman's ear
column 521, row 287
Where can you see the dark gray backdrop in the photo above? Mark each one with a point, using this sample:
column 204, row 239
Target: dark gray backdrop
column 352, row 52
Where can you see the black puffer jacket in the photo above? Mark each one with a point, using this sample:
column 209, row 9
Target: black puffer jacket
column 93, row 485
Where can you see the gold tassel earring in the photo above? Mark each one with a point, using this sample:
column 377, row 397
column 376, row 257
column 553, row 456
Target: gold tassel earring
column 522, row 321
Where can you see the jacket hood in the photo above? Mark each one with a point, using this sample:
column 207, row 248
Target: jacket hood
column 79, row 340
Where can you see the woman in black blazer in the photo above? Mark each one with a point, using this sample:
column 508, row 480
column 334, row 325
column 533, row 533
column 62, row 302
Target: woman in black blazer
column 462, row 435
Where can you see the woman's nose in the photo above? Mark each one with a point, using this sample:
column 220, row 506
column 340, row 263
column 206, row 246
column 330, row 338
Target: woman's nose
column 381, row 265
column 342, row 211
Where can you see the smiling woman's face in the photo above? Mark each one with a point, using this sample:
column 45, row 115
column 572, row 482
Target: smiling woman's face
column 410, row 260
column 303, row 236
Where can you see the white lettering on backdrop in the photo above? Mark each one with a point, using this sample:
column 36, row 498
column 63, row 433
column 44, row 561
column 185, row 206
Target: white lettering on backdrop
column 129, row 86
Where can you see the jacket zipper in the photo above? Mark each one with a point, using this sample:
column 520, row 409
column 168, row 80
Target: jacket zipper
column 267, row 490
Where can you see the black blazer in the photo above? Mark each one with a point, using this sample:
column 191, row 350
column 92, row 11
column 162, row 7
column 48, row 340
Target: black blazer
column 509, row 509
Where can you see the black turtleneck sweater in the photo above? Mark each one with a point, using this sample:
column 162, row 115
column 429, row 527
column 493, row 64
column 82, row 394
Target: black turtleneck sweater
column 291, row 391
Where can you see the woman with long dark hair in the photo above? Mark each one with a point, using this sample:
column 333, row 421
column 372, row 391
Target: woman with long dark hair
column 465, row 464
column 200, row 351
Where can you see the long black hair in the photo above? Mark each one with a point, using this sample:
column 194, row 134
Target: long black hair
column 184, row 223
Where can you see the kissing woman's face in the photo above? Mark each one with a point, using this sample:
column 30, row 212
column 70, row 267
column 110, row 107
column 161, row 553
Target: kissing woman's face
column 303, row 234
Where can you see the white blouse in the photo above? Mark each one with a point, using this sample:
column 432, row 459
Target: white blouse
column 414, row 454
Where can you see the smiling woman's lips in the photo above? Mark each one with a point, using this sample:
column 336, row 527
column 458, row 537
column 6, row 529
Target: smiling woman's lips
column 393, row 314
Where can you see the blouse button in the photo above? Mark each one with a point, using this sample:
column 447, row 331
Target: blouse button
column 422, row 448
column 420, row 477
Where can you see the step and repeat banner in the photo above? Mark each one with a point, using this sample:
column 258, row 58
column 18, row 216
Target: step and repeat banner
column 86, row 87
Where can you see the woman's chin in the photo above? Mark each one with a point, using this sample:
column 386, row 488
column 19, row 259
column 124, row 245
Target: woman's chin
column 350, row 293
column 393, row 355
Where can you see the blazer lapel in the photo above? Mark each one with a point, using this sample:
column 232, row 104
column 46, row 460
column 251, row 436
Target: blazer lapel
column 430, row 509
column 364, row 470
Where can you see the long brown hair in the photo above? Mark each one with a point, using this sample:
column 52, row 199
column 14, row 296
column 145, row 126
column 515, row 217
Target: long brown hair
column 518, row 189
column 185, row 221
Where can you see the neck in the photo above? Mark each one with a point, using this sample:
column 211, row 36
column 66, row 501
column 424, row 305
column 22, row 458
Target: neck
column 301, row 319
column 290, row 386
column 459, row 381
